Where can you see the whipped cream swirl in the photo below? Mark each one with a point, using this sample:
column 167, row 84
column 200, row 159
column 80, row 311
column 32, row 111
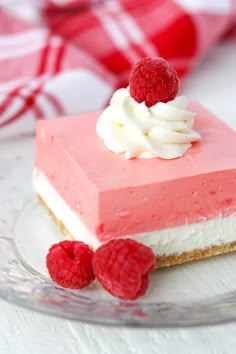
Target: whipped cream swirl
column 163, row 130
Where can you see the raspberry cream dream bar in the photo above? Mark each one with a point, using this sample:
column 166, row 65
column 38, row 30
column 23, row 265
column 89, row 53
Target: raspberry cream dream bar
column 184, row 208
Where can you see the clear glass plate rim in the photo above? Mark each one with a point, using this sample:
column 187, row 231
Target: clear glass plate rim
column 216, row 310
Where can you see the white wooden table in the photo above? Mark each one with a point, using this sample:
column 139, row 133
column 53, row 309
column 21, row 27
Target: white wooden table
column 26, row 332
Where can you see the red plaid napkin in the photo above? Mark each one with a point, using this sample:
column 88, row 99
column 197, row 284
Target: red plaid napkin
column 62, row 57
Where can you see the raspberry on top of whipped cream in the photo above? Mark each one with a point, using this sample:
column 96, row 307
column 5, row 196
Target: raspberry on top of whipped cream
column 162, row 128
column 153, row 80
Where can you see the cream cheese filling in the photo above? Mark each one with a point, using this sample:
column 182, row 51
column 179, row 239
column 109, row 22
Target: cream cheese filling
column 174, row 240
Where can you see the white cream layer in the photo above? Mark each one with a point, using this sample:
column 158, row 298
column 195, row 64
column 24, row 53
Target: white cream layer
column 175, row 240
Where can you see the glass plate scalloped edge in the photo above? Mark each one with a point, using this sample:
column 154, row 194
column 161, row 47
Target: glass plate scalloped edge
column 22, row 285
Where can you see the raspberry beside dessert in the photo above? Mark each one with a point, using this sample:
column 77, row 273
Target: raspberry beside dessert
column 122, row 267
column 153, row 80
column 69, row 264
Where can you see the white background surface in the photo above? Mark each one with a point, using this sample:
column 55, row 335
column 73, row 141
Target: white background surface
column 21, row 331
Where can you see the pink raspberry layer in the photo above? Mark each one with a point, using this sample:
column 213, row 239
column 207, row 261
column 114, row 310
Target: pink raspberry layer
column 115, row 197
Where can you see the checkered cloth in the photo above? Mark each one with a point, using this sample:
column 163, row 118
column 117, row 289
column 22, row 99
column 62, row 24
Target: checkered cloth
column 66, row 56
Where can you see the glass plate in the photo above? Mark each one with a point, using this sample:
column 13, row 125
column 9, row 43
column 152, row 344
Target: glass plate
column 197, row 293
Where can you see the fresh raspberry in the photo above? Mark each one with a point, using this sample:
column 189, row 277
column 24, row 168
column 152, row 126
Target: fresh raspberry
column 122, row 267
column 69, row 264
column 153, row 80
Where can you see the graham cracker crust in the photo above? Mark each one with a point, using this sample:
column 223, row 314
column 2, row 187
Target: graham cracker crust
column 161, row 261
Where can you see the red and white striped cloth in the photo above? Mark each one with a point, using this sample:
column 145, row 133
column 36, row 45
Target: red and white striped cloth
column 67, row 56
